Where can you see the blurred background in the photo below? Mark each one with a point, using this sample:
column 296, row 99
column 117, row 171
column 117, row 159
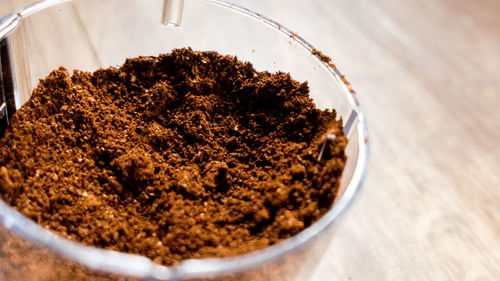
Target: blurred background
column 428, row 78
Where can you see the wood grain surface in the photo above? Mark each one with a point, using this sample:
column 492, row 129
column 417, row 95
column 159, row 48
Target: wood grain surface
column 428, row 77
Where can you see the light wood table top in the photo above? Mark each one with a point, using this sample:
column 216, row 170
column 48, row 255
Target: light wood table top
column 428, row 78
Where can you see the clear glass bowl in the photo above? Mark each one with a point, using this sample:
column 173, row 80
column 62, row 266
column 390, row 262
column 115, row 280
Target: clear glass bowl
column 90, row 34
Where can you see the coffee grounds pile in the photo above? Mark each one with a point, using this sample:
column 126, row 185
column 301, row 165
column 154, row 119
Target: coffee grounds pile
column 185, row 155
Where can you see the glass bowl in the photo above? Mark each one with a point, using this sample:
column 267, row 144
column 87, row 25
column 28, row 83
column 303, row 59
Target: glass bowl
column 90, row 34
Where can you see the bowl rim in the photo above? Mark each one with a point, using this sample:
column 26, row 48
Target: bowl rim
column 141, row 267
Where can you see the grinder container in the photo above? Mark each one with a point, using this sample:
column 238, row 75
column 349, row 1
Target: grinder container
column 91, row 34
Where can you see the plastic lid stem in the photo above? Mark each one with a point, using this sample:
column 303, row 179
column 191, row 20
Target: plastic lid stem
column 172, row 12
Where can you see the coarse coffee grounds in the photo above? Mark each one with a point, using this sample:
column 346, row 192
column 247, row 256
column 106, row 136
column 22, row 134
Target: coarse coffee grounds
column 185, row 155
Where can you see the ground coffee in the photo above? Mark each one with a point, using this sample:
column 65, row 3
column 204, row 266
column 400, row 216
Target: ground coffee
column 185, row 155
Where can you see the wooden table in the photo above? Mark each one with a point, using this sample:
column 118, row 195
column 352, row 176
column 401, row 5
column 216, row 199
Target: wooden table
column 428, row 77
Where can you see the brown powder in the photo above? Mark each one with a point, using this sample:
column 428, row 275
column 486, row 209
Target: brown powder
column 185, row 155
